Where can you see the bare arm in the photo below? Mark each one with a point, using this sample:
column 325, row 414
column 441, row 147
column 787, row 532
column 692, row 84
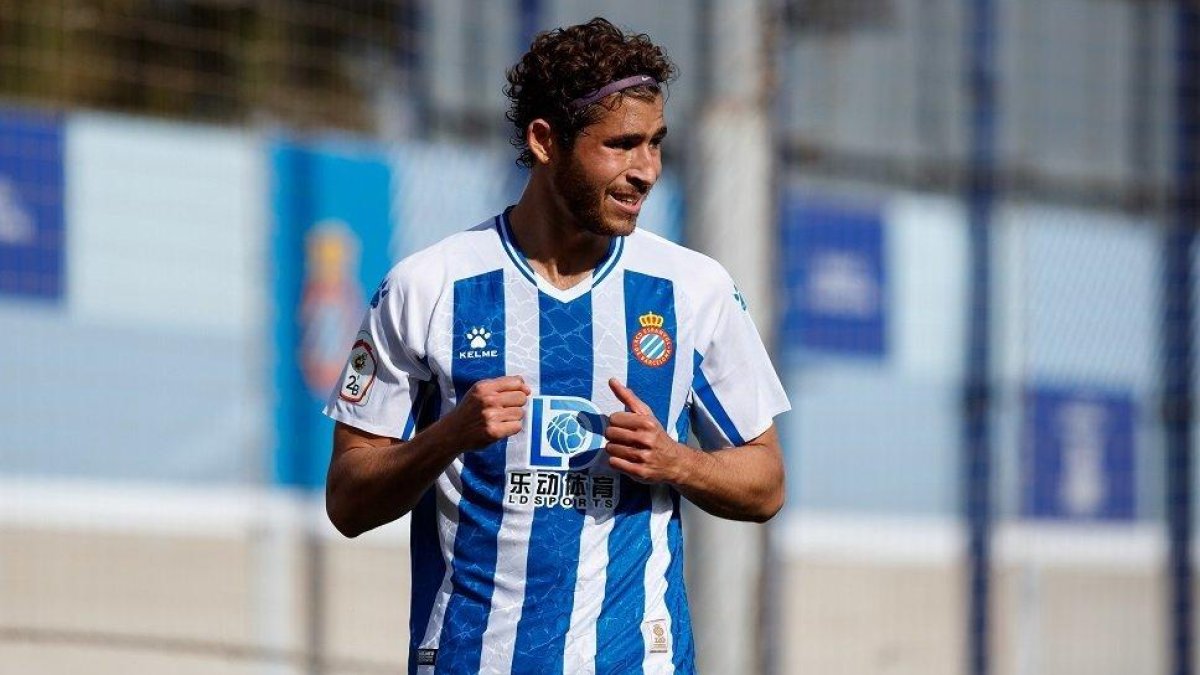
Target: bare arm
column 374, row 480
column 741, row 483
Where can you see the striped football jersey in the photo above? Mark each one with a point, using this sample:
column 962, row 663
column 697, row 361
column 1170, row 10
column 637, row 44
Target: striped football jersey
column 533, row 555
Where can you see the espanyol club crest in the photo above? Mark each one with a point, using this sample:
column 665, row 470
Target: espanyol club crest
column 651, row 345
column 567, row 432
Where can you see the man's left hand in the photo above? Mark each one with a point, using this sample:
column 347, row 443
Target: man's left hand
column 639, row 447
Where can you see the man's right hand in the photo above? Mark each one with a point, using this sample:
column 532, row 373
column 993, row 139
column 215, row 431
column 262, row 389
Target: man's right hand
column 490, row 411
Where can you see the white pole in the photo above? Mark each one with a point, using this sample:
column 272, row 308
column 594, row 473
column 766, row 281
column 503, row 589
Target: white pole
column 276, row 541
column 732, row 193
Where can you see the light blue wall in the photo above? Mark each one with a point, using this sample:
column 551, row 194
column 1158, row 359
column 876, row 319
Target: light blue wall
column 153, row 365
column 1075, row 304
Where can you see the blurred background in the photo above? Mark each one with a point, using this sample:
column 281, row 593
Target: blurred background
column 964, row 226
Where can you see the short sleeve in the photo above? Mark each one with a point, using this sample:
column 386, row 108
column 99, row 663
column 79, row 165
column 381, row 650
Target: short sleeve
column 736, row 393
column 382, row 383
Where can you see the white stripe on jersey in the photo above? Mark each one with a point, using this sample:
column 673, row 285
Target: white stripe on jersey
column 662, row 506
column 449, row 492
column 656, row 579
column 521, row 355
column 608, row 338
column 579, row 651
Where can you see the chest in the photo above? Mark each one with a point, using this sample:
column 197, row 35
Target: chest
column 634, row 327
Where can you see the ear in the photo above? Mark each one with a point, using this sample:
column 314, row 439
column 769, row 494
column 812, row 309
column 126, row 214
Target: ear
column 540, row 138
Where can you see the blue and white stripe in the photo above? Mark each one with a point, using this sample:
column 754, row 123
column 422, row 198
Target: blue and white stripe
column 566, row 354
column 478, row 302
column 636, row 582
column 521, row 355
column 503, row 604
column 608, row 301
column 509, row 243
column 428, row 567
column 501, row 588
column 448, row 492
column 652, row 346
column 707, row 399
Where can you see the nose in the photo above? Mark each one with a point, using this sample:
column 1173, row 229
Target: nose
column 644, row 167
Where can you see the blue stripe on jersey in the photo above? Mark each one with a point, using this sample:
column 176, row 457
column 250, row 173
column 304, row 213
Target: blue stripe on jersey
column 644, row 295
column 683, row 652
column 410, row 425
column 712, row 404
column 478, row 315
column 510, row 247
column 428, row 569
column 553, row 560
column 427, row 566
column 683, row 425
column 430, row 408
column 615, row 249
column 616, row 246
column 619, row 644
column 426, row 401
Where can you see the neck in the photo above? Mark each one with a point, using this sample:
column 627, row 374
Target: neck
column 557, row 247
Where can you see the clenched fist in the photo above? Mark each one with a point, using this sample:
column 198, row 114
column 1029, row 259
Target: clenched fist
column 490, row 411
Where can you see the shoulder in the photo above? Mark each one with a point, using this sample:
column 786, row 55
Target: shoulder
column 695, row 274
column 460, row 255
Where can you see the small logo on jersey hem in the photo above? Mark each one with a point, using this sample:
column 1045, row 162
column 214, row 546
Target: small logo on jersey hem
column 658, row 639
column 360, row 371
column 427, row 657
column 652, row 345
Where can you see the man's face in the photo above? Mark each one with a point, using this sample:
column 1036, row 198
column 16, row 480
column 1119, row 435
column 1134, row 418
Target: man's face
column 603, row 181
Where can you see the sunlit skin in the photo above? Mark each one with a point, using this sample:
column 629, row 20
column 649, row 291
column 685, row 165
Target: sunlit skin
column 579, row 197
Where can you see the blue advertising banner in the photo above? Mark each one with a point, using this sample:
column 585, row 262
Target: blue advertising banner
column 333, row 224
column 31, row 205
column 1079, row 454
column 834, row 276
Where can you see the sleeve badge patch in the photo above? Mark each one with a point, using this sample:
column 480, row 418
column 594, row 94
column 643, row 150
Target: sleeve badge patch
column 360, row 371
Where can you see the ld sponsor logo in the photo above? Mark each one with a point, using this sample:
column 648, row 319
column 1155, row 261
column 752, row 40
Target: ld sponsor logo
column 567, row 432
column 558, row 489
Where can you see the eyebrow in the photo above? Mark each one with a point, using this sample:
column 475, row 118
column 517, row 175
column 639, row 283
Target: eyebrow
column 622, row 138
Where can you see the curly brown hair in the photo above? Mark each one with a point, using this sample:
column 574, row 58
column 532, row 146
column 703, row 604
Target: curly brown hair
column 567, row 63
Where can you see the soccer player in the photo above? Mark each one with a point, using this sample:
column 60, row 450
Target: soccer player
column 524, row 388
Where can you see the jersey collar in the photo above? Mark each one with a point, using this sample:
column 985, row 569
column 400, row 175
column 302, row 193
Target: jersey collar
column 606, row 265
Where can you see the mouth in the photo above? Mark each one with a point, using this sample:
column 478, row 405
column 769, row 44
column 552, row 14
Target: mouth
column 629, row 203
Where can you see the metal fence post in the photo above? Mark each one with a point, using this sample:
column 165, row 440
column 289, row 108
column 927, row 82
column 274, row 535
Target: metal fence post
column 1177, row 335
column 976, row 460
